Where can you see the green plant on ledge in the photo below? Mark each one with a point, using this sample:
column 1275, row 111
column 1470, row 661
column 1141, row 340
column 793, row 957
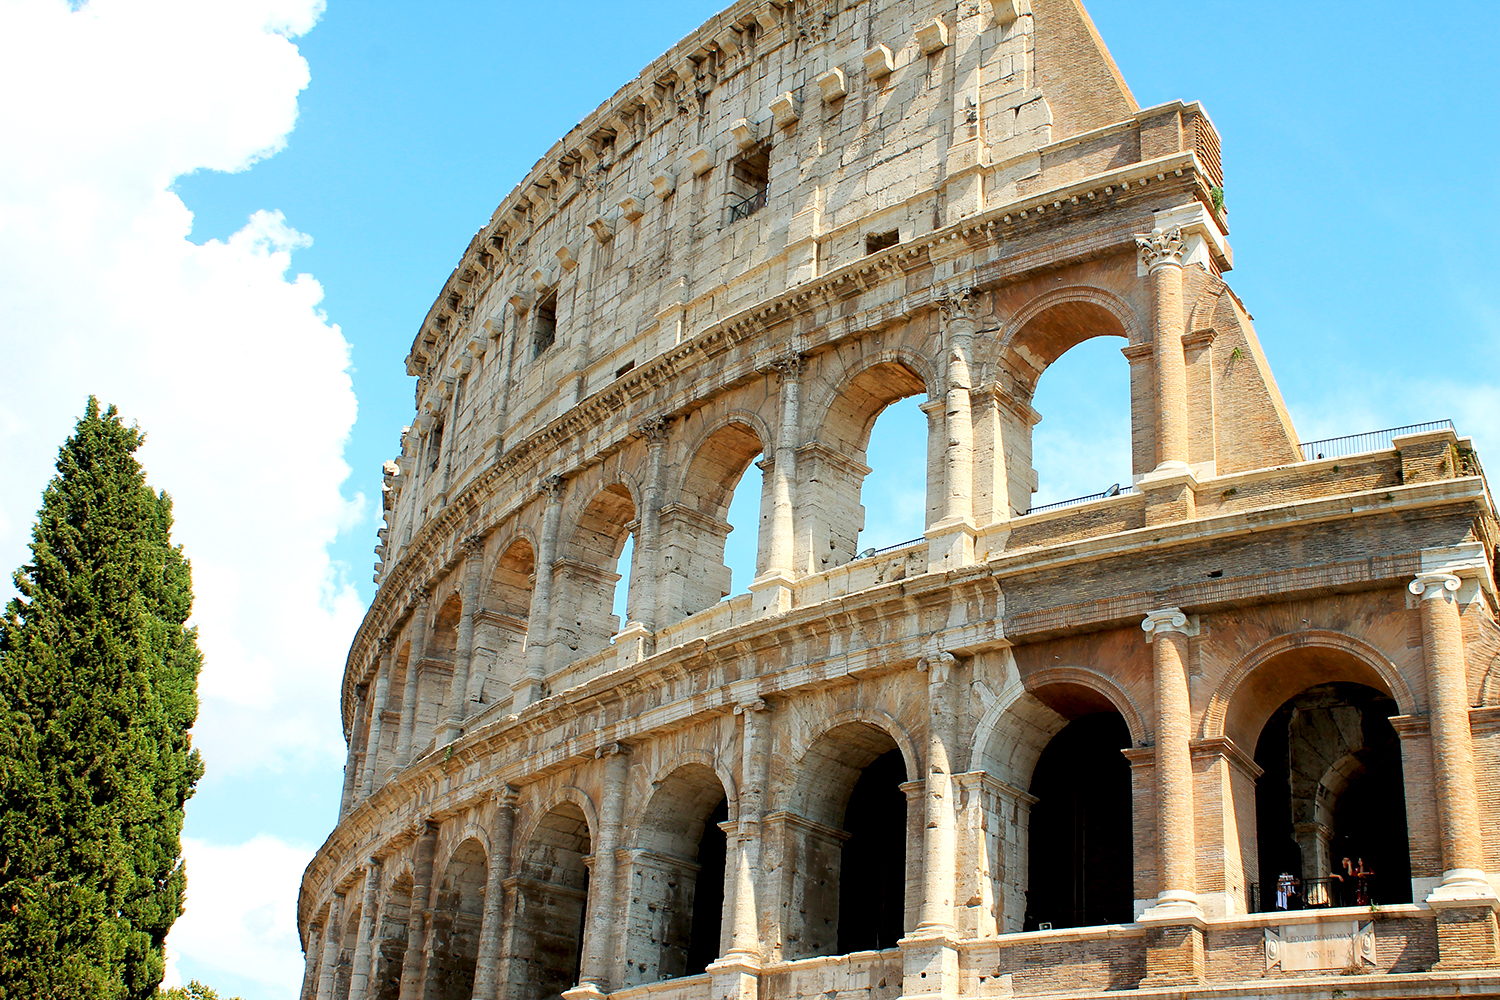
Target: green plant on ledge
column 1217, row 194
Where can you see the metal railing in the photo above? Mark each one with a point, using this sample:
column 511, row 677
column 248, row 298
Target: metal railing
column 867, row 553
column 1114, row 491
column 1354, row 444
column 748, row 206
column 1311, row 894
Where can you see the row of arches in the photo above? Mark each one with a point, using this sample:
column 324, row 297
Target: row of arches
column 1056, row 828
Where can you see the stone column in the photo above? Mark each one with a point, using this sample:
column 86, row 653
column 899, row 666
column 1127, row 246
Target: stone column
column 951, row 539
column 463, row 653
column 1161, row 255
column 333, row 939
column 939, row 845
column 1465, row 901
column 413, row 963
column 773, row 588
column 359, row 974
column 602, row 918
column 1174, row 953
column 487, row 966
column 539, row 621
column 312, row 962
column 1167, row 630
column 413, row 676
column 649, row 541
column 355, row 763
column 380, row 704
column 744, row 924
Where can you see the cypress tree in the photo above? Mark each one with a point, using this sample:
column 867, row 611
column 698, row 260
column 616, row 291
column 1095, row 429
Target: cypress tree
column 98, row 676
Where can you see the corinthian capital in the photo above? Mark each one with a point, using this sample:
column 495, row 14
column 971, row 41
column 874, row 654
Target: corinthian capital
column 552, row 488
column 1161, row 248
column 959, row 304
column 654, row 429
column 790, row 368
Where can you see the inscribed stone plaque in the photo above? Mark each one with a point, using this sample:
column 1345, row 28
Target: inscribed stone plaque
column 1343, row 944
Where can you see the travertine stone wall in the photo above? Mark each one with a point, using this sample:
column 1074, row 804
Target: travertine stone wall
column 801, row 214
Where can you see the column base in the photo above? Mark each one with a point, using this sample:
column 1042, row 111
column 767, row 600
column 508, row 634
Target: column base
column 772, row 594
column 929, row 964
column 1175, row 906
column 527, row 692
column 1468, row 935
column 735, row 977
column 950, row 544
column 585, row 991
column 632, row 644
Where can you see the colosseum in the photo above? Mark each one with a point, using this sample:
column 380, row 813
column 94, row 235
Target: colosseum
column 1231, row 729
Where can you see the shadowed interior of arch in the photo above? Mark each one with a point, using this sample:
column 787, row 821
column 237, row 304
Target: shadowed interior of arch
column 551, row 896
column 675, row 920
column 1332, row 788
column 1080, row 864
column 499, row 657
column 455, row 924
column 390, row 943
column 852, row 857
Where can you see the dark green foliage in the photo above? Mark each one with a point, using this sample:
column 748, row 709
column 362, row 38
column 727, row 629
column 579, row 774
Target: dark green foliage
column 97, row 694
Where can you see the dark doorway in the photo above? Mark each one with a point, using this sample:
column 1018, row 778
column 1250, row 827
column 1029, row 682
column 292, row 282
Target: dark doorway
column 872, row 880
column 1081, row 858
column 1332, row 788
column 708, row 896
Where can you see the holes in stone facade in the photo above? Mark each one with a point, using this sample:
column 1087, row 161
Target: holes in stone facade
column 1332, row 788
column 1081, row 864
column 551, row 896
column 455, row 924
column 749, row 182
column 876, row 242
column 544, row 323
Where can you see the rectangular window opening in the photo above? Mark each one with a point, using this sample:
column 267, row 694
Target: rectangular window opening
column 624, row 368
column 876, row 242
column 544, row 324
column 749, row 182
column 435, row 447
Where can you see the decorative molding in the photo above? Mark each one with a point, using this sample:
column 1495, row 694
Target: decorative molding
column 833, row 85
column 1430, row 585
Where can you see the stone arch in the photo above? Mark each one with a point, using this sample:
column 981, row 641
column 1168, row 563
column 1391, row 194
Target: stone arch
column 674, row 924
column 1101, row 299
column 847, row 811
column 1248, row 695
column 456, row 916
column 706, row 759
column 498, row 660
column 832, row 467
column 695, row 521
column 583, row 608
column 568, row 794
column 1009, row 744
column 551, row 880
column 469, row 831
column 435, row 671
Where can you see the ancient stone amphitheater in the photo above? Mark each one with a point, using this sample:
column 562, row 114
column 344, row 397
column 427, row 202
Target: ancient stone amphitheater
column 1124, row 742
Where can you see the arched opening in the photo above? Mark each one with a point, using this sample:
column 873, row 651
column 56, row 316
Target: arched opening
column 836, row 472
column 1064, row 731
column 1331, row 802
column 895, row 494
column 848, row 843
column 1080, row 824
column 499, row 657
column 455, row 924
column 1087, row 443
column 696, row 527
column 435, row 673
column 552, row 885
column 589, row 573
column 1082, row 444
column 390, row 941
column 348, row 942
column 675, row 920
column 390, row 733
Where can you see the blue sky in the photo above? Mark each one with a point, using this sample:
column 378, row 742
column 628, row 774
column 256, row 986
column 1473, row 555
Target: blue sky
column 1360, row 152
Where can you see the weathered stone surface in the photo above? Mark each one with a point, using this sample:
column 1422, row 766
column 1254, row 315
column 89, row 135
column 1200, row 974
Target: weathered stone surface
column 844, row 783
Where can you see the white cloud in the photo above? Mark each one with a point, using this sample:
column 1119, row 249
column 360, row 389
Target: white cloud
column 240, row 919
column 217, row 350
